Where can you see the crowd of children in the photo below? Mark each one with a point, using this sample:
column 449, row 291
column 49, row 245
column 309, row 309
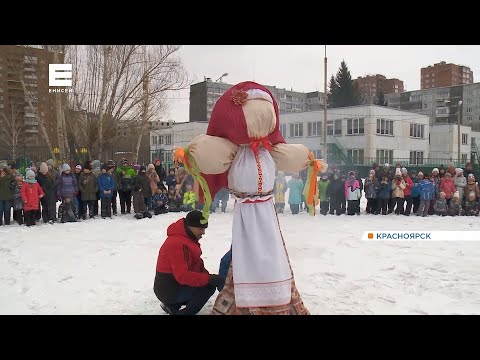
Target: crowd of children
column 452, row 191
column 34, row 197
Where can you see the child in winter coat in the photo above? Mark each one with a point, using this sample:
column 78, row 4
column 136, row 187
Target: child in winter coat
column 279, row 189
column 336, row 193
column 383, row 195
column 171, row 181
column 448, row 186
column 398, row 185
column 455, row 208
column 407, row 192
column 160, row 201
column 460, row 182
column 295, row 184
column 106, row 187
column 67, row 211
column 323, row 186
column 174, row 200
column 352, row 194
column 427, row 192
column 189, row 199
column 471, row 206
column 472, row 186
column 139, row 206
column 440, row 207
column 17, row 200
column 31, row 195
column 415, row 192
column 371, row 189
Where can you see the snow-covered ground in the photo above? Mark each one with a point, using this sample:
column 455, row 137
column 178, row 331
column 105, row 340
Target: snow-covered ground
column 108, row 266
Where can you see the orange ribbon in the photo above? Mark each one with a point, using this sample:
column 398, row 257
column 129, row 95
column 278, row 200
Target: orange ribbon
column 313, row 180
column 255, row 144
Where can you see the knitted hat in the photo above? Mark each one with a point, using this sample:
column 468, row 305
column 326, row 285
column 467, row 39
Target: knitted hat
column 104, row 166
column 372, row 172
column 456, row 195
column 151, row 166
column 435, row 169
column 404, row 171
column 79, row 167
column 420, row 173
column 193, row 219
column 30, row 173
column 111, row 163
column 458, row 171
column 49, row 162
column 124, row 162
column 398, row 172
column 44, row 168
column 142, row 168
column 66, row 167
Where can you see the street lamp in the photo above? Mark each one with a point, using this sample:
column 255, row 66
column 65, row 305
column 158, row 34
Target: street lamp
column 221, row 77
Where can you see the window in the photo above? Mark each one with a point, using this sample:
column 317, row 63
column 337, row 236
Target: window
column 384, row 127
column 469, row 118
column 464, row 158
column 154, row 140
column 314, row 128
column 168, row 139
column 384, row 156
column 469, row 110
column 441, row 111
column 470, row 93
column 330, row 127
column 417, row 131
column 283, row 130
column 317, row 154
column 415, row 98
column 296, row 130
column 464, row 139
column 356, row 156
column 469, row 101
column 416, row 157
column 160, row 140
column 338, row 127
column 425, row 106
column 355, row 126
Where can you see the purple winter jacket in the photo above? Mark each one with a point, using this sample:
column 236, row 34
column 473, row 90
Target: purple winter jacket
column 67, row 185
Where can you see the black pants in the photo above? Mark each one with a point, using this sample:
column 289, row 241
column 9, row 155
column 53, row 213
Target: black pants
column 18, row 216
column 49, row 208
column 114, row 203
column 391, row 204
column 91, row 208
column 343, row 206
column 95, row 206
column 160, row 210
column 382, row 206
column 353, row 207
column 371, row 206
column 408, row 206
column 194, row 299
column 400, row 206
column 80, row 205
column 31, row 217
column 125, row 200
column 335, row 206
column 5, row 206
column 324, row 207
column 416, row 204
column 106, row 210
column 295, row 208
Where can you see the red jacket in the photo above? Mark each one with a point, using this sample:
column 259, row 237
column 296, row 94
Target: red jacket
column 181, row 256
column 31, row 196
column 448, row 187
column 408, row 186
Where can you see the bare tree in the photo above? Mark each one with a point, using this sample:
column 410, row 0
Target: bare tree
column 126, row 85
column 12, row 124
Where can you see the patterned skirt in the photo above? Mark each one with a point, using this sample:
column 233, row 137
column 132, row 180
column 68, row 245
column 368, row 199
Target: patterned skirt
column 225, row 302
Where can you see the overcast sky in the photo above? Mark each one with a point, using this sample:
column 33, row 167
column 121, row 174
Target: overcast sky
column 300, row 67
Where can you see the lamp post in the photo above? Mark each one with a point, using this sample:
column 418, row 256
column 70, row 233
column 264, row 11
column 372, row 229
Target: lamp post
column 325, row 100
column 221, row 77
column 458, row 129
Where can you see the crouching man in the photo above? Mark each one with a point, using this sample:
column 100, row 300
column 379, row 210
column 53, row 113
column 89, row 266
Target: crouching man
column 181, row 279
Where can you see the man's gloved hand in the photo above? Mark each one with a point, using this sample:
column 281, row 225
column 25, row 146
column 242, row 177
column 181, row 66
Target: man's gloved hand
column 215, row 280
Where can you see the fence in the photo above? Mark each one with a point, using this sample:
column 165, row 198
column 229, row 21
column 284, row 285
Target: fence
column 27, row 155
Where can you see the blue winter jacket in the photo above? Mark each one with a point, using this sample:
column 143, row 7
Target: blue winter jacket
column 105, row 182
column 427, row 189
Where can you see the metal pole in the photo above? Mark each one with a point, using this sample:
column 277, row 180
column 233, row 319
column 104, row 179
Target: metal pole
column 325, row 99
column 459, row 135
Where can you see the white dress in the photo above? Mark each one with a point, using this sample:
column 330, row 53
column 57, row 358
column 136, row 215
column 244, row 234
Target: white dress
column 261, row 273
